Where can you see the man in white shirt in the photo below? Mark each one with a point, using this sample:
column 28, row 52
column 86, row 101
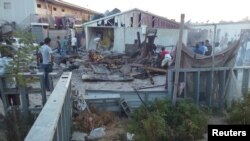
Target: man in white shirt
column 74, row 44
column 47, row 61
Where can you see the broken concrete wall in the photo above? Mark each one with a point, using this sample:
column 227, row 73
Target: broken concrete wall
column 124, row 36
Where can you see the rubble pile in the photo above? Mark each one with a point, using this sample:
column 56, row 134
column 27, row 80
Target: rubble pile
column 86, row 121
column 106, row 65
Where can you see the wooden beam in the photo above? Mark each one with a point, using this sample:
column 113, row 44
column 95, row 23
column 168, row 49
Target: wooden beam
column 139, row 39
column 148, row 68
column 178, row 60
column 245, row 81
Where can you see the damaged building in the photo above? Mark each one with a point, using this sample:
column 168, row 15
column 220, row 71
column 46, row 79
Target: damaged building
column 121, row 30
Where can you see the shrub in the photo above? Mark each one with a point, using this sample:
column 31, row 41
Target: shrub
column 239, row 113
column 163, row 122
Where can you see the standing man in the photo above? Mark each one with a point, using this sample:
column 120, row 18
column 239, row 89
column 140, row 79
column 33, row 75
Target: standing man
column 209, row 48
column 47, row 57
column 73, row 44
column 58, row 45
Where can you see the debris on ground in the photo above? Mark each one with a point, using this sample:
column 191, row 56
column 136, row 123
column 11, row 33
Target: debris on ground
column 106, row 65
column 78, row 136
column 96, row 133
column 130, row 136
column 86, row 121
column 79, row 104
column 112, row 78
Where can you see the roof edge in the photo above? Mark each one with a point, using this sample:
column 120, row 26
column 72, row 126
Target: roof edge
column 134, row 9
column 64, row 3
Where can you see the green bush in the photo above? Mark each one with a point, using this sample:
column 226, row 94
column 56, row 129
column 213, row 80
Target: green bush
column 162, row 121
column 239, row 113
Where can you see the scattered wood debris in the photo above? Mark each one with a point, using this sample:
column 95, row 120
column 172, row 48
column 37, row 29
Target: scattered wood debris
column 86, row 121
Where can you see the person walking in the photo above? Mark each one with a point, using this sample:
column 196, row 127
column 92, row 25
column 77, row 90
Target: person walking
column 74, row 44
column 47, row 61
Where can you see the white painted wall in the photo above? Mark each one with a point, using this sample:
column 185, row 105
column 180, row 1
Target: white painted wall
column 122, row 36
column 165, row 37
column 131, row 35
column 119, row 40
column 19, row 10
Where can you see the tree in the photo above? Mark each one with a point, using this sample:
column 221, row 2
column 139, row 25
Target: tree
column 18, row 124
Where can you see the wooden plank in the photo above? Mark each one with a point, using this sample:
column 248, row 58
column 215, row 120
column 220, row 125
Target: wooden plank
column 220, row 101
column 148, row 87
column 178, row 60
column 148, row 68
column 245, row 81
column 185, row 80
column 170, row 83
column 139, row 39
column 208, row 88
column 236, row 73
column 197, row 87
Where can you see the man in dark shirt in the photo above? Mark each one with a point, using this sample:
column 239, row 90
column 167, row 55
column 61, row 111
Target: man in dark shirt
column 209, row 48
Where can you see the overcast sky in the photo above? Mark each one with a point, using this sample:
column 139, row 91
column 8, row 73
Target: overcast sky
column 194, row 10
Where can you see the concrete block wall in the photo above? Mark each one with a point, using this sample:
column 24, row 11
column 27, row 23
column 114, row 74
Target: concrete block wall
column 53, row 35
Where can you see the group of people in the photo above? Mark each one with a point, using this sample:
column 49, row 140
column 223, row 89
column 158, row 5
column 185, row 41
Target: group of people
column 62, row 46
column 45, row 53
column 203, row 48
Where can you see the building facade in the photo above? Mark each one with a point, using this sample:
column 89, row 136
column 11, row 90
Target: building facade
column 30, row 11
